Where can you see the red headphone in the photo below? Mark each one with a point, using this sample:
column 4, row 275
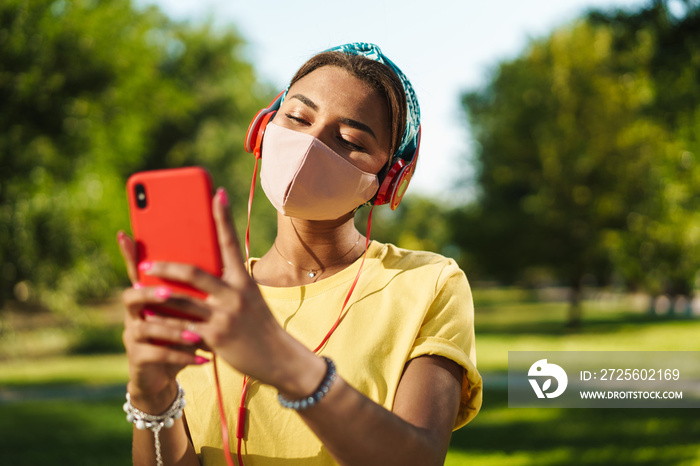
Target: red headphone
column 392, row 187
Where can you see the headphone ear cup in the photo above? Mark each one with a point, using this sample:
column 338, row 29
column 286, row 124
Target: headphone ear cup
column 386, row 189
column 401, row 184
column 396, row 180
column 256, row 131
column 395, row 183
column 252, row 136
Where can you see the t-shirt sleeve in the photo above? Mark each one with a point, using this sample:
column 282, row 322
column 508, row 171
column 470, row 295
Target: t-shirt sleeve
column 448, row 331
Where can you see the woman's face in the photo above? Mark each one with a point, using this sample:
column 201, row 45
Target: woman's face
column 343, row 112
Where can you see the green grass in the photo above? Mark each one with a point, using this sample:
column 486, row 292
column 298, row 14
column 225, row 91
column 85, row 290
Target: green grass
column 502, row 436
column 64, row 433
column 511, row 320
column 93, row 432
column 65, row 370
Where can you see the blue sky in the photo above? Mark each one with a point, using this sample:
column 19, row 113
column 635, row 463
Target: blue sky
column 444, row 47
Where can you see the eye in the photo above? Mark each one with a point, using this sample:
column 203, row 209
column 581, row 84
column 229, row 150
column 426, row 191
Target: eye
column 296, row 119
column 350, row 145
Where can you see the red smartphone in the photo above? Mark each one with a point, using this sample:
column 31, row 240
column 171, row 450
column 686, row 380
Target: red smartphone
column 171, row 220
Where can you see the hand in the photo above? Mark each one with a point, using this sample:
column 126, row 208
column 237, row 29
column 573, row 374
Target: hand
column 152, row 367
column 234, row 320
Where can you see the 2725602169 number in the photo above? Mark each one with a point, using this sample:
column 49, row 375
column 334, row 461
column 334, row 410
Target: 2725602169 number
column 640, row 374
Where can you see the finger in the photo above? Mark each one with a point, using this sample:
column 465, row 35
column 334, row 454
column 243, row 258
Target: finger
column 135, row 300
column 186, row 274
column 153, row 329
column 128, row 250
column 189, row 329
column 148, row 353
column 185, row 331
column 233, row 260
column 162, row 299
column 174, row 322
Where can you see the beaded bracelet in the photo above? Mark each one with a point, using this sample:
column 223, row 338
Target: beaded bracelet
column 316, row 396
column 155, row 423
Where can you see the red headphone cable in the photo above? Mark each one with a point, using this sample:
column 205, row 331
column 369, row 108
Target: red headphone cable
column 250, row 208
column 222, row 416
column 352, row 287
column 240, row 430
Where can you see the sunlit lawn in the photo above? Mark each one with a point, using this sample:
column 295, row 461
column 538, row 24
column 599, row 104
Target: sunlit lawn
column 65, row 433
column 507, row 437
column 94, row 432
column 508, row 321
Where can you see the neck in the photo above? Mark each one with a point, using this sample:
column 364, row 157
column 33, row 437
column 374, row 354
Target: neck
column 306, row 251
column 316, row 244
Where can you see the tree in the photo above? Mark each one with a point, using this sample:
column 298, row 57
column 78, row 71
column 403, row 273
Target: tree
column 419, row 223
column 565, row 153
column 660, row 248
column 91, row 92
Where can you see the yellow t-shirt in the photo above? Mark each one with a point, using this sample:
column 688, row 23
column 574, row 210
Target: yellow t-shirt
column 406, row 304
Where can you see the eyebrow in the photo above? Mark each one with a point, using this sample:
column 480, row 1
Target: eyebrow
column 348, row 121
column 305, row 100
column 358, row 125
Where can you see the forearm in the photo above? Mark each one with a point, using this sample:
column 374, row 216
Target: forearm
column 358, row 431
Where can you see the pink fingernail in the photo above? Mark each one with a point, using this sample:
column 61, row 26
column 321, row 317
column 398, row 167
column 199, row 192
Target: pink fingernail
column 145, row 266
column 190, row 336
column 137, row 286
column 200, row 360
column 120, row 235
column 223, row 196
column 148, row 313
column 163, row 292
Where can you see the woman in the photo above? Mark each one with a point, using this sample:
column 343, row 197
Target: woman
column 404, row 375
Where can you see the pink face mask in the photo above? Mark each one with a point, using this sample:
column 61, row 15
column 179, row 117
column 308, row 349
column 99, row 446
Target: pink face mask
column 304, row 178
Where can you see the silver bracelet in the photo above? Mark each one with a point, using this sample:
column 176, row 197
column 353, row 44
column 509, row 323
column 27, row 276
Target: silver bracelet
column 155, row 423
column 315, row 397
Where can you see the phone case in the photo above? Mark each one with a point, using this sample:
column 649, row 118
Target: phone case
column 171, row 220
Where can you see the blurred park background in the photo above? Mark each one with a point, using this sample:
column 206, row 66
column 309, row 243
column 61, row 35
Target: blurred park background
column 582, row 230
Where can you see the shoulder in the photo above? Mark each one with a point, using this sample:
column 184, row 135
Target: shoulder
column 406, row 258
column 427, row 265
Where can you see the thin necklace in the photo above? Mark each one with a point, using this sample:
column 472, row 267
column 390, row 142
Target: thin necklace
column 312, row 273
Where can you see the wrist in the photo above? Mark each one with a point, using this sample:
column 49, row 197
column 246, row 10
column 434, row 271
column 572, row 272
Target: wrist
column 310, row 400
column 156, row 422
column 152, row 402
column 303, row 378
